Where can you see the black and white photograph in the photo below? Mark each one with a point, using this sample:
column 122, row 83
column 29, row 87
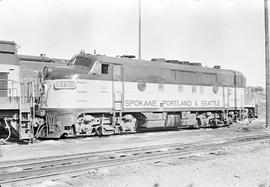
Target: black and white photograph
column 134, row 93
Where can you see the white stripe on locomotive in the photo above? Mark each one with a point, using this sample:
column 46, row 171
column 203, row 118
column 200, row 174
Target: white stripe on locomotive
column 98, row 94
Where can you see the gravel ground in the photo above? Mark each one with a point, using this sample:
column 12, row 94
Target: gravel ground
column 46, row 148
column 230, row 166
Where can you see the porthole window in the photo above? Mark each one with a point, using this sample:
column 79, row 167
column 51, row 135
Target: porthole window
column 160, row 87
column 201, row 89
column 194, row 89
column 180, row 88
column 141, row 86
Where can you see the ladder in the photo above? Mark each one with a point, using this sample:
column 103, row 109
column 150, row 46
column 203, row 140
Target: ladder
column 27, row 113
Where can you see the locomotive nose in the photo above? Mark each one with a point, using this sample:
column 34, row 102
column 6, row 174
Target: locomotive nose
column 58, row 73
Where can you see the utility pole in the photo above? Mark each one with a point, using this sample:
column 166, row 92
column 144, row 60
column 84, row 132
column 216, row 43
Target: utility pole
column 267, row 70
column 139, row 29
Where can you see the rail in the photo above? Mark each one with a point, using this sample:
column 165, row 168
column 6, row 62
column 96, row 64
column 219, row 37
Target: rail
column 54, row 167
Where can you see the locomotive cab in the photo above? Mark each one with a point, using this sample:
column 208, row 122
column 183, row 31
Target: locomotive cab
column 81, row 67
column 83, row 63
column 88, row 64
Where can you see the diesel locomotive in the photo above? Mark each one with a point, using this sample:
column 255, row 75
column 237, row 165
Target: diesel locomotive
column 101, row 95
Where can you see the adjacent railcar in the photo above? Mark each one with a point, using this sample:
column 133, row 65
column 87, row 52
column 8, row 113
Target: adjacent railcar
column 9, row 79
column 100, row 95
column 19, row 87
column 31, row 70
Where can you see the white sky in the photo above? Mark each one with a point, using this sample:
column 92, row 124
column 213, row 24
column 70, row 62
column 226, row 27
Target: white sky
column 229, row 33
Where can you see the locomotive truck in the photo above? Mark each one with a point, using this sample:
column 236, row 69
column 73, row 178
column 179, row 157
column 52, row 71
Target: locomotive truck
column 101, row 95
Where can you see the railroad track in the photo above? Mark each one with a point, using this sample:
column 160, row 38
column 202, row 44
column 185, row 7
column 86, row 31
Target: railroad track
column 76, row 164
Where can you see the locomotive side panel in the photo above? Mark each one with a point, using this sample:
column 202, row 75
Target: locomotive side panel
column 89, row 95
column 141, row 96
column 172, row 89
column 171, row 97
column 240, row 98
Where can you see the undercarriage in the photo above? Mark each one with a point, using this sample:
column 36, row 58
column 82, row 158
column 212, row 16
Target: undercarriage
column 54, row 125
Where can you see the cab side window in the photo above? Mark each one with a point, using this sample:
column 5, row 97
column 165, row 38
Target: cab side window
column 105, row 69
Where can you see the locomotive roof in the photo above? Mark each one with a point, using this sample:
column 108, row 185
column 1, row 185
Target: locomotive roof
column 7, row 47
column 41, row 59
column 150, row 71
column 8, row 53
column 159, row 65
column 7, row 42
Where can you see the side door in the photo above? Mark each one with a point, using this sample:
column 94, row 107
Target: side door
column 231, row 97
column 226, row 97
column 118, row 87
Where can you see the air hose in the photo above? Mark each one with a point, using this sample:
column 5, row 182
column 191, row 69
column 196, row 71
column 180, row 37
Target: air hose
column 39, row 130
column 9, row 131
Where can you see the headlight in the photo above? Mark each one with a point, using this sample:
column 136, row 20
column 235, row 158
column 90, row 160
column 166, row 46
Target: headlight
column 64, row 85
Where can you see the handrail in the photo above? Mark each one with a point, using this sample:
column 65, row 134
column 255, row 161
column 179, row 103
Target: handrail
column 30, row 100
column 11, row 87
column 16, row 91
column 9, row 80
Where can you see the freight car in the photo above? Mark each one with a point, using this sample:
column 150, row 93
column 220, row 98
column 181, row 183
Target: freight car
column 101, row 95
column 19, row 80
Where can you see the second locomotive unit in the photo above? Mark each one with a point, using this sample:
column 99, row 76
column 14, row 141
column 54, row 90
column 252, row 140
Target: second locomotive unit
column 101, row 95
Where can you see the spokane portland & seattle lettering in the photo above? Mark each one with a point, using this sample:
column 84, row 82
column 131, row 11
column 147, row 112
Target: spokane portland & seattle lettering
column 171, row 103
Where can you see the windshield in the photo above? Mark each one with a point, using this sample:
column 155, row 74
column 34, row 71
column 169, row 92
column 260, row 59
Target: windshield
column 82, row 63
